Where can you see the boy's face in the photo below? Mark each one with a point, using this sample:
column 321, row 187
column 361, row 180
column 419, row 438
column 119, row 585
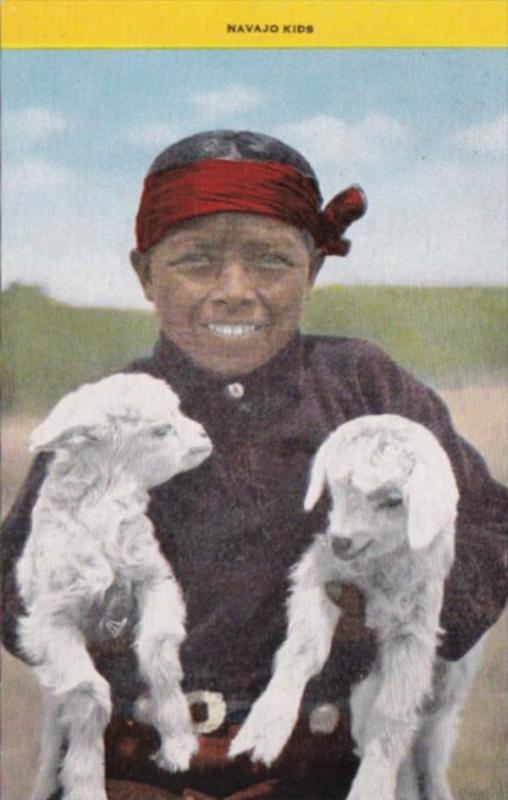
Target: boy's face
column 228, row 289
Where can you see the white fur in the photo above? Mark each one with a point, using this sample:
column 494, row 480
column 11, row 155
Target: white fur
column 391, row 533
column 90, row 535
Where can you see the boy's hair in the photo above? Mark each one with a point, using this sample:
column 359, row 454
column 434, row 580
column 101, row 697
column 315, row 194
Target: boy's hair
column 235, row 146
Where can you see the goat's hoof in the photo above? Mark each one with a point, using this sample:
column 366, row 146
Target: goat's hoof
column 176, row 752
column 263, row 734
column 260, row 748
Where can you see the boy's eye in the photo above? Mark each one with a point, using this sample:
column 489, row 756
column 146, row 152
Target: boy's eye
column 191, row 259
column 275, row 260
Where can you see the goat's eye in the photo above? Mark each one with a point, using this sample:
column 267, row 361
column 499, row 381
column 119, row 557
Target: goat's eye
column 163, row 430
column 391, row 502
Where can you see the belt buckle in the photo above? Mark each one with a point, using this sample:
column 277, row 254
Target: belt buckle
column 208, row 710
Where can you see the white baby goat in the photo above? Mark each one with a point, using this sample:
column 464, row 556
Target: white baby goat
column 391, row 533
column 113, row 440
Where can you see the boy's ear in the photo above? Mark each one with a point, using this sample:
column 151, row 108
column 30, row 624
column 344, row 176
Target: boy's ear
column 315, row 265
column 141, row 265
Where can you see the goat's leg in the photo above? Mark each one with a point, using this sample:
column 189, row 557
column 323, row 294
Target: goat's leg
column 85, row 714
column 434, row 746
column 312, row 619
column 161, row 630
column 436, row 735
column 408, row 782
column 67, row 672
column 423, row 772
column 362, row 700
column 406, row 673
column 50, row 750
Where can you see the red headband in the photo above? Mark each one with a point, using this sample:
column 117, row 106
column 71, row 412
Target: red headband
column 250, row 187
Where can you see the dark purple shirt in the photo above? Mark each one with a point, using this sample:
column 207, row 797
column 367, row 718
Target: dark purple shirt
column 233, row 527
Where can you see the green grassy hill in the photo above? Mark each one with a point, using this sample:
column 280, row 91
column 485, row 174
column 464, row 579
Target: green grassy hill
column 446, row 336
column 50, row 347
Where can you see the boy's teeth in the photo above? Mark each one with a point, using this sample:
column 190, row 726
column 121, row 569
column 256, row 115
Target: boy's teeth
column 232, row 330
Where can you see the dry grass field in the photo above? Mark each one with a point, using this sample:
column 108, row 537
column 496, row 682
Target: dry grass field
column 480, row 768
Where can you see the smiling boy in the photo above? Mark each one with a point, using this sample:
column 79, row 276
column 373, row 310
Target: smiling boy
column 230, row 237
column 228, row 289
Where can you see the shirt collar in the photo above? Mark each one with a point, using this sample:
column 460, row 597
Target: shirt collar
column 271, row 387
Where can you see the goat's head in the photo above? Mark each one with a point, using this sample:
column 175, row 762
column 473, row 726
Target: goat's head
column 131, row 422
column 389, row 478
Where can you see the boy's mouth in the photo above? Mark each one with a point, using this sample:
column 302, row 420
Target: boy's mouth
column 232, row 331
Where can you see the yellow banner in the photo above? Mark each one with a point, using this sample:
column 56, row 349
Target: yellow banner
column 257, row 24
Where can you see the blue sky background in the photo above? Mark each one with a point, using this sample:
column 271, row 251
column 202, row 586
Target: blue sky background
column 424, row 132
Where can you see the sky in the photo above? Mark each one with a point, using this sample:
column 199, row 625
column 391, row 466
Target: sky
column 424, row 132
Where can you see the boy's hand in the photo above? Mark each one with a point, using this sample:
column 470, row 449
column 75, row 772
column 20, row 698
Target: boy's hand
column 352, row 605
column 109, row 627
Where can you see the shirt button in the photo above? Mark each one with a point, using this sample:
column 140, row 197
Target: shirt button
column 324, row 718
column 235, row 390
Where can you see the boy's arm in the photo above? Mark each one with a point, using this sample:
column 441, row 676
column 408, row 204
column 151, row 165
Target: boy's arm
column 14, row 533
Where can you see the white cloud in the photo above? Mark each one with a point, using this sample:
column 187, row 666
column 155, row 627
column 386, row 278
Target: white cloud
column 433, row 223
column 73, row 238
column 489, row 136
column 330, row 142
column 153, row 136
column 437, row 224
column 34, row 123
column 232, row 99
column 36, row 173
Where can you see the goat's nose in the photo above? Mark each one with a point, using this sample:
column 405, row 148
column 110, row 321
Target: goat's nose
column 204, row 438
column 197, row 430
column 341, row 545
column 202, row 441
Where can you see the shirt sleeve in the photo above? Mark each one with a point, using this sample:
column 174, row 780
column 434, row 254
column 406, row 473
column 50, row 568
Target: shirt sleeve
column 14, row 532
column 477, row 587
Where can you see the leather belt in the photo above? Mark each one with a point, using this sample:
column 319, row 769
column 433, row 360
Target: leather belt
column 210, row 710
column 130, row 790
column 258, row 792
column 328, row 758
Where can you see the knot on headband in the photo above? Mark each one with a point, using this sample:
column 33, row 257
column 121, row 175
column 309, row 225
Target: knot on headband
column 345, row 208
column 250, row 187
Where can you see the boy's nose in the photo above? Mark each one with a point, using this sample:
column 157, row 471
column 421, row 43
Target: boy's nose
column 234, row 285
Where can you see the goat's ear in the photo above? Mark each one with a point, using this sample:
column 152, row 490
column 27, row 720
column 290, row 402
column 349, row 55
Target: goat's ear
column 317, row 479
column 46, row 438
column 431, row 499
